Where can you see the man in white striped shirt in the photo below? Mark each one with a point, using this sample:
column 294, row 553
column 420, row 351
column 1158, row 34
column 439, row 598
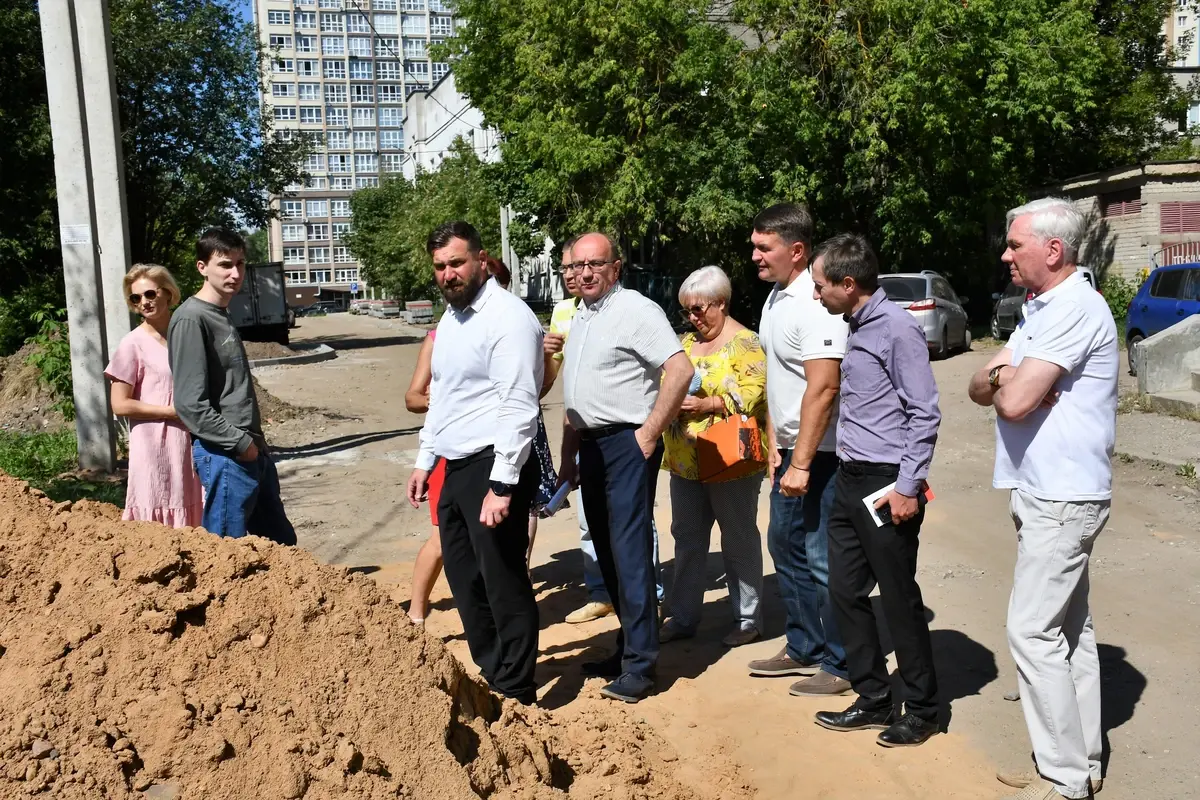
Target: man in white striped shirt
column 624, row 378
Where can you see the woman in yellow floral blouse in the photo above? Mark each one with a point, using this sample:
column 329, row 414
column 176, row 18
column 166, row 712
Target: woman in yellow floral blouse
column 732, row 373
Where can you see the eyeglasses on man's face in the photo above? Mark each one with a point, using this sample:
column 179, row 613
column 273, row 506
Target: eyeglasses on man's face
column 580, row 266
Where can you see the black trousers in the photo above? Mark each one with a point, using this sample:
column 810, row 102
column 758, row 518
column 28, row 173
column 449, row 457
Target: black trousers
column 862, row 555
column 488, row 576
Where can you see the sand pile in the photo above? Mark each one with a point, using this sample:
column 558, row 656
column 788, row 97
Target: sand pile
column 140, row 662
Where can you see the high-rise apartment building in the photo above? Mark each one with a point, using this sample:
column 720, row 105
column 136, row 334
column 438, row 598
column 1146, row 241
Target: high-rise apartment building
column 1181, row 33
column 340, row 72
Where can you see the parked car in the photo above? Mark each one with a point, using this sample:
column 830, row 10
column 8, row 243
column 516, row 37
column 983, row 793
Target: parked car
column 1169, row 295
column 929, row 298
column 1007, row 313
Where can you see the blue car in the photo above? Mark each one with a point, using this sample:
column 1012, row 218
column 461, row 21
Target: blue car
column 1169, row 295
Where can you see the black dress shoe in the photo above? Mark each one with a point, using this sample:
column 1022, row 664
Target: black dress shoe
column 856, row 719
column 606, row 668
column 910, row 731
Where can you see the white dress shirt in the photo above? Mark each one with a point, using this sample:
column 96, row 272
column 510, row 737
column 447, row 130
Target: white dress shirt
column 487, row 375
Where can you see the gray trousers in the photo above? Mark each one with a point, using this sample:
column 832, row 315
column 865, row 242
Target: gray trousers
column 733, row 505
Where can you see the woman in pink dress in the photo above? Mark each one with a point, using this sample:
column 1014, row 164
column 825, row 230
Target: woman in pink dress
column 163, row 486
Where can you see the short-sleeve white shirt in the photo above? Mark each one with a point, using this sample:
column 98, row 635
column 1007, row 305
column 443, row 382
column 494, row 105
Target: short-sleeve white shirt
column 1064, row 453
column 795, row 328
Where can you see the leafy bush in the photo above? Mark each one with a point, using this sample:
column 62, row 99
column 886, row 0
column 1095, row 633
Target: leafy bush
column 53, row 358
column 41, row 458
column 17, row 312
column 1119, row 293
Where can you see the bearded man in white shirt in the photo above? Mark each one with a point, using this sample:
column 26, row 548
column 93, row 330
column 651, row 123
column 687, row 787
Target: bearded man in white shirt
column 483, row 410
column 1054, row 388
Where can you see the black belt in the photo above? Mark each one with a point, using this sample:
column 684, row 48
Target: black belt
column 592, row 434
column 858, row 468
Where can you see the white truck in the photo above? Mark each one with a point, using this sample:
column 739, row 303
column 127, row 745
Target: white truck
column 259, row 311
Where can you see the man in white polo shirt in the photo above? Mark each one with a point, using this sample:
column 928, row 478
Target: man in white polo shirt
column 805, row 345
column 1054, row 388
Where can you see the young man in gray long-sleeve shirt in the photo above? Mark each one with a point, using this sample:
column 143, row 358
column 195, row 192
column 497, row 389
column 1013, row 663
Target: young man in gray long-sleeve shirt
column 214, row 398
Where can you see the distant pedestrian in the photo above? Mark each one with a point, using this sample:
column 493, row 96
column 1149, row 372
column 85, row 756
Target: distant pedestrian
column 163, row 486
column 624, row 378
column 1054, row 388
column 804, row 347
column 887, row 429
column 482, row 419
column 733, row 375
column 215, row 400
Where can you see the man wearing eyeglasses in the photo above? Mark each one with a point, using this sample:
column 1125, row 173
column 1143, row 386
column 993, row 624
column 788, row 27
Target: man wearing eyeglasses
column 625, row 377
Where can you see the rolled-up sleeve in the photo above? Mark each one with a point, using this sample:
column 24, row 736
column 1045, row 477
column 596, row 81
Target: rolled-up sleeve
column 515, row 370
column 912, row 375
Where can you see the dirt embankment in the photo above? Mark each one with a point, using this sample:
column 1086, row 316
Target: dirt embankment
column 136, row 661
column 26, row 405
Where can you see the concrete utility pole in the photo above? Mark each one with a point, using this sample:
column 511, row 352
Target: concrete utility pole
column 107, row 162
column 77, row 229
column 506, row 253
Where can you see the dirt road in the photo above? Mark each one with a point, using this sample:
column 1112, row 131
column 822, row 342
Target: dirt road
column 343, row 484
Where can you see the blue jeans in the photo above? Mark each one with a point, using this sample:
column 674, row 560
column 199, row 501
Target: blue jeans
column 592, row 579
column 798, row 541
column 241, row 498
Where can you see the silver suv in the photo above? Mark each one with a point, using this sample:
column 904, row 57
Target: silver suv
column 929, row 298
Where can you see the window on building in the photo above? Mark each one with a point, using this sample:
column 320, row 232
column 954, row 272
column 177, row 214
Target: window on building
column 1179, row 217
column 391, row 117
column 389, row 70
column 291, row 209
column 413, row 24
column 306, row 20
column 308, row 68
column 316, row 208
column 279, row 18
column 418, row 70
column 1121, row 204
column 283, row 90
column 335, row 93
column 361, row 70
column 285, row 113
column 391, row 93
column 283, row 66
column 340, row 208
column 391, row 140
column 438, row 5
column 386, row 23
column 1181, row 21
column 295, row 277
column 336, row 116
column 365, row 140
column 310, row 114
column 338, row 163
column 363, row 117
column 341, row 184
column 340, row 229
column 292, row 188
column 335, row 69
column 293, row 233
column 320, row 275
column 318, row 232
column 310, row 91
column 366, row 182
column 305, row 3
column 362, row 93
column 384, row 5
column 441, row 26
column 366, row 162
column 387, row 47
column 337, row 140
column 335, row 4
column 332, row 23
column 341, row 255
column 349, row 275
column 281, row 41
column 315, row 182
column 439, row 70
column 392, row 162
column 314, row 162
column 293, row 255
column 306, row 44
column 333, row 46
column 414, row 48
column 357, row 23
column 359, row 46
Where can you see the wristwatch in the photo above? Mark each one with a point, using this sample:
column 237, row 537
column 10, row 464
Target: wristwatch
column 502, row 489
column 994, row 376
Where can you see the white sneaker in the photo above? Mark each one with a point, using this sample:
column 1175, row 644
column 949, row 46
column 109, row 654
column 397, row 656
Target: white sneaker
column 589, row 612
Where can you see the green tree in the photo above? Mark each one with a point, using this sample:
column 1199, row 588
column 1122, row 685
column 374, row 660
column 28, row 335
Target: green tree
column 257, row 245
column 393, row 221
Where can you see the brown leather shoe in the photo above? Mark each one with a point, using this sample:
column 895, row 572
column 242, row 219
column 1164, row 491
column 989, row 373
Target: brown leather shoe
column 820, row 685
column 1020, row 778
column 780, row 665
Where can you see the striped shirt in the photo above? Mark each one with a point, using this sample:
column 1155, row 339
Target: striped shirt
column 614, row 359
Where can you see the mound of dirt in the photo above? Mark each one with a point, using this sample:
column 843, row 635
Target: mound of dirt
column 25, row 403
column 257, row 350
column 137, row 661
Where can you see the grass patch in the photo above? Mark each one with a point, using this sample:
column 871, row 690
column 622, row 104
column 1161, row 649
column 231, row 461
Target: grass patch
column 1128, row 403
column 48, row 461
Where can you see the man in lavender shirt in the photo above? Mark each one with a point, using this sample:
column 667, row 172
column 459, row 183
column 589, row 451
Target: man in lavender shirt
column 886, row 433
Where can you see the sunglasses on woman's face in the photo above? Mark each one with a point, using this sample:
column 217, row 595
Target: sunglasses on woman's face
column 149, row 294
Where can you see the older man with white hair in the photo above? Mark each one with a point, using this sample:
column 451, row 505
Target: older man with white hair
column 1054, row 388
